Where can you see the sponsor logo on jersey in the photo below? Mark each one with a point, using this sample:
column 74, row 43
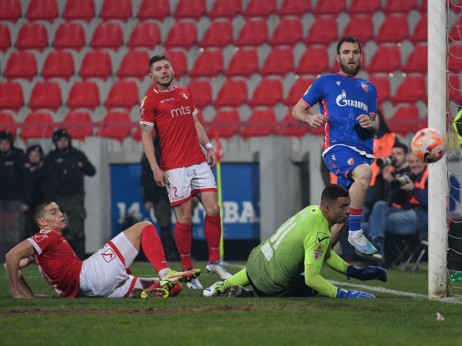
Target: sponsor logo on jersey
column 342, row 101
column 333, row 157
column 108, row 255
column 365, row 87
column 350, row 161
column 321, row 239
column 338, row 83
column 167, row 100
column 180, row 111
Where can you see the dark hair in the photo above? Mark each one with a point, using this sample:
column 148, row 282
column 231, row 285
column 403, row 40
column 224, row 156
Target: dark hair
column 157, row 58
column 331, row 192
column 60, row 133
column 350, row 39
column 39, row 208
column 402, row 146
column 6, row 135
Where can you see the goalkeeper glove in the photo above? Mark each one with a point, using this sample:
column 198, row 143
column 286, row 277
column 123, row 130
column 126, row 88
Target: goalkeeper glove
column 366, row 273
column 342, row 293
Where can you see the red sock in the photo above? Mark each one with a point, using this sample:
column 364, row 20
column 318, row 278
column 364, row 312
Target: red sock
column 152, row 247
column 212, row 231
column 182, row 235
column 356, row 211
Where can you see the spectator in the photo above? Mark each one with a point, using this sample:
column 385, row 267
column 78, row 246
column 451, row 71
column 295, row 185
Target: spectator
column 68, row 166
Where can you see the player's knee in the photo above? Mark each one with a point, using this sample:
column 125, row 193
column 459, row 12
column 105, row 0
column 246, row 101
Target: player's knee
column 363, row 174
column 185, row 219
column 213, row 210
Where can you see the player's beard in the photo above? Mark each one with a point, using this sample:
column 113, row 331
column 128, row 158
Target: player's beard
column 350, row 71
column 167, row 83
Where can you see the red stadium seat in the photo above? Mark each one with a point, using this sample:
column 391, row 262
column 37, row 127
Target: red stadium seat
column 21, row 65
column 363, row 6
column 455, row 58
column 455, row 93
column 5, row 38
column 406, row 119
column 382, row 84
column 255, row 125
column 279, row 62
column 417, row 60
column 394, row 29
column 455, row 5
column 289, row 31
column 154, row 9
column 79, row 125
column 11, row 96
column 314, row 61
column 201, row 91
column 420, row 33
column 32, row 36
column 294, row 8
column 107, row 35
column 46, row 10
column 144, row 35
column 83, row 95
column 360, row 27
column 291, row 127
column 297, row 90
column 455, row 33
column 254, row 33
column 178, row 61
column 225, row 9
column 116, row 125
column 412, row 89
column 134, row 64
column 37, row 125
column 225, row 124
column 218, row 34
column 329, row 7
column 70, row 36
column 209, row 63
column 323, row 31
column 267, row 93
column 193, row 9
column 403, row 6
column 386, row 59
column 79, row 10
column 10, row 10
column 58, row 64
column 96, row 64
column 116, row 9
column 233, row 93
column 243, row 63
column 46, row 95
column 182, row 35
column 7, row 123
column 123, row 94
column 259, row 8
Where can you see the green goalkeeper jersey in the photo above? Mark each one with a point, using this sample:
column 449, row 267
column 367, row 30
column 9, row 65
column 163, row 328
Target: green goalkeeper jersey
column 301, row 244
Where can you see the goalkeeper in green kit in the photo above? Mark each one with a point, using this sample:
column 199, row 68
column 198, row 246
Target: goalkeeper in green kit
column 301, row 244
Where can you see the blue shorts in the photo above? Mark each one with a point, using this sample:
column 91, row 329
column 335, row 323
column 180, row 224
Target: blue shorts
column 341, row 160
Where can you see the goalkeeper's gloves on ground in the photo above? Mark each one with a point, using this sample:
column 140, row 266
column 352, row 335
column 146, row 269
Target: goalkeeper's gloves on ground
column 366, row 273
column 342, row 293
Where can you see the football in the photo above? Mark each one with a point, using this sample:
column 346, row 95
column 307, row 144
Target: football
column 428, row 145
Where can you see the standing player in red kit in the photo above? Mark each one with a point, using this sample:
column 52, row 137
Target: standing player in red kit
column 183, row 168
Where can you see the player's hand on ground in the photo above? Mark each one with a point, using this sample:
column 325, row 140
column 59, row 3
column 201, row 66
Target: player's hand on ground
column 367, row 273
column 365, row 121
column 342, row 293
column 211, row 158
column 160, row 178
column 316, row 120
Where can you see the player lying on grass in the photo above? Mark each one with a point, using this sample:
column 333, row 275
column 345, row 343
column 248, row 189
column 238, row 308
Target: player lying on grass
column 302, row 243
column 105, row 274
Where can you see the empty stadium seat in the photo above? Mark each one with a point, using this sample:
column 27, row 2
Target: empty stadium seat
column 32, row 36
column 329, row 7
column 243, row 63
column 363, row 6
column 225, row 9
column 218, row 34
column 46, row 10
column 297, row 90
column 10, row 10
column 201, row 91
column 420, row 33
column 7, row 123
column 406, row 119
column 259, row 8
column 383, row 87
column 288, row 32
column 182, row 35
column 79, row 125
column 455, row 58
column 107, row 35
column 58, row 64
column 254, row 33
column 116, row 9
column 178, row 60
column 417, row 60
column 411, row 89
column 360, row 27
column 134, row 64
column 255, row 126
column 83, row 95
column 154, row 9
column 267, row 93
column 123, row 94
column 45, row 95
column 116, row 125
column 294, row 8
column 37, row 125
column 144, row 35
column 233, row 93
column 70, row 36
column 21, row 65
column 394, row 29
column 279, row 62
column 209, row 63
column 11, row 96
column 386, row 59
column 5, row 38
column 403, row 6
column 96, row 64
column 323, row 31
column 314, row 61
column 225, row 124
column 79, row 10
column 291, row 127
column 193, row 9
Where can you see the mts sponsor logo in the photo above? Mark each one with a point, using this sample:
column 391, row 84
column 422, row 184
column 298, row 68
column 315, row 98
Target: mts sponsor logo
column 180, row 111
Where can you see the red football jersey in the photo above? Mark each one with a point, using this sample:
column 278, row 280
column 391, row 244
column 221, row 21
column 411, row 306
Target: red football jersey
column 57, row 262
column 172, row 113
